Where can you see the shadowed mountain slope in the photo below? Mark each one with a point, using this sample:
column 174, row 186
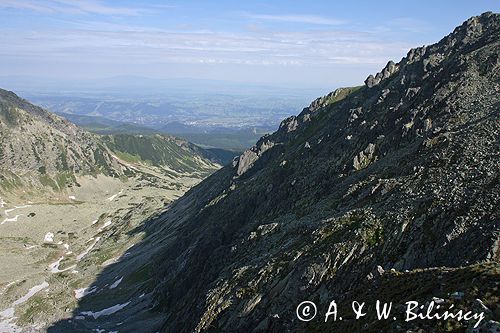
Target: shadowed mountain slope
column 399, row 174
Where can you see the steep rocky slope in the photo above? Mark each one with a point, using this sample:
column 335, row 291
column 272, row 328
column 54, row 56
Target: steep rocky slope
column 39, row 149
column 389, row 190
column 41, row 152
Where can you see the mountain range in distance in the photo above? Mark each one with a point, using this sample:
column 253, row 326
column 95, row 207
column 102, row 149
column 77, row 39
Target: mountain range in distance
column 156, row 102
column 229, row 139
column 221, row 121
column 215, row 114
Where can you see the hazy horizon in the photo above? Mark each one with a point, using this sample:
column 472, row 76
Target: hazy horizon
column 309, row 45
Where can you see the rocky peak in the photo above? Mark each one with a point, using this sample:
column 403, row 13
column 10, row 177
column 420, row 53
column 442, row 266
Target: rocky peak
column 472, row 33
column 388, row 70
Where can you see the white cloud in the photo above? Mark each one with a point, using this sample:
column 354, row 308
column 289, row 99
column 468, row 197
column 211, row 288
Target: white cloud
column 308, row 19
column 72, row 7
column 105, row 43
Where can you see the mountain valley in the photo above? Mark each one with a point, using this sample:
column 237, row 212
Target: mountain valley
column 387, row 191
column 69, row 200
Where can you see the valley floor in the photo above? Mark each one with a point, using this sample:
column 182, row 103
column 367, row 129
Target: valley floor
column 50, row 252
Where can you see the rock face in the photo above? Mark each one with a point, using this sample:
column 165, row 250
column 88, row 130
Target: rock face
column 388, row 70
column 401, row 174
column 250, row 156
column 364, row 158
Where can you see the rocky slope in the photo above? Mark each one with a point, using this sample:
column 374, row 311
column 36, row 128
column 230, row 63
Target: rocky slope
column 39, row 149
column 164, row 151
column 388, row 191
column 41, row 152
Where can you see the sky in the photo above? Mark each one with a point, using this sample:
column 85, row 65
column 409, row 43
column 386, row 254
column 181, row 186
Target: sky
column 277, row 43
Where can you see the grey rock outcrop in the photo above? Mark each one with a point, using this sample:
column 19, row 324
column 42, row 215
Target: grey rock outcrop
column 388, row 70
column 365, row 157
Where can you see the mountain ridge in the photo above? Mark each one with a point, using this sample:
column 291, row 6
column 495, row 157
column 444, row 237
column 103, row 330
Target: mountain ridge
column 42, row 151
column 389, row 190
column 341, row 189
